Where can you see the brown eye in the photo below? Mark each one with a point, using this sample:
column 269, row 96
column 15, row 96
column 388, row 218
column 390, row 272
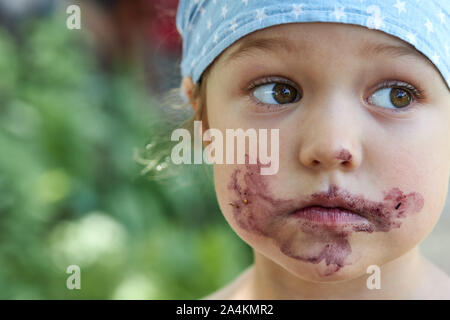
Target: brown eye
column 400, row 98
column 391, row 98
column 276, row 93
column 284, row 93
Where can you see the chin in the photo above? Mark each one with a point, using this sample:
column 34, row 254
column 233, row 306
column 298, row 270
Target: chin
column 322, row 273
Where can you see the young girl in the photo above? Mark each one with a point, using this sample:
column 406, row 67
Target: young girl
column 359, row 91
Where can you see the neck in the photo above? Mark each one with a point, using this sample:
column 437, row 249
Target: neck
column 399, row 278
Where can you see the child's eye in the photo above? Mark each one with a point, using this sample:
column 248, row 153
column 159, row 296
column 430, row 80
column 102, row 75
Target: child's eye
column 394, row 96
column 276, row 93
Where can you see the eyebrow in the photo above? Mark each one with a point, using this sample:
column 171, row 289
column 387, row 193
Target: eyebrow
column 270, row 45
column 275, row 45
column 375, row 48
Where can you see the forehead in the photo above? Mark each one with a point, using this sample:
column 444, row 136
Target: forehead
column 312, row 38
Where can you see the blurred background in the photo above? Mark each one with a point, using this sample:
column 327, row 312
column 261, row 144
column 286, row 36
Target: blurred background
column 77, row 107
column 82, row 176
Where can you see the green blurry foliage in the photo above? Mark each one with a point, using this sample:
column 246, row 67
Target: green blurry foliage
column 71, row 192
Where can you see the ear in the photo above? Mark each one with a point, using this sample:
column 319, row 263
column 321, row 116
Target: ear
column 188, row 88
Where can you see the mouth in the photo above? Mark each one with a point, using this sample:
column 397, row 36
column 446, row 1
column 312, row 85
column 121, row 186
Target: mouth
column 330, row 215
column 336, row 212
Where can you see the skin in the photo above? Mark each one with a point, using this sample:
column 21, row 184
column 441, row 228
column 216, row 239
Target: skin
column 333, row 136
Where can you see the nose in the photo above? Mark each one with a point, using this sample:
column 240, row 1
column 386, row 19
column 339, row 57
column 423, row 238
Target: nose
column 331, row 142
column 340, row 157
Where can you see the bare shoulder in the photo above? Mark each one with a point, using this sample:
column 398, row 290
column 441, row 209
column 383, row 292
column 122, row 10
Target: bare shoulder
column 436, row 284
column 238, row 289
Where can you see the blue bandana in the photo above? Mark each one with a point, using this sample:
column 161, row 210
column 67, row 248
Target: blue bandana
column 208, row 27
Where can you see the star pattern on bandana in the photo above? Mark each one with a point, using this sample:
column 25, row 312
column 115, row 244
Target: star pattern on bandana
column 220, row 19
column 339, row 12
column 260, row 15
column 412, row 38
column 400, row 5
column 233, row 25
column 429, row 26
column 375, row 21
column 441, row 16
column 224, row 11
column 435, row 58
column 297, row 9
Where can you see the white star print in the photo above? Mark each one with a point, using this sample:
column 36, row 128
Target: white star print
column 260, row 15
column 378, row 22
column 297, row 9
column 224, row 11
column 245, row 1
column 338, row 12
column 216, row 37
column 442, row 16
column 233, row 25
column 412, row 37
column 435, row 58
column 197, row 39
column 190, row 26
column 203, row 51
column 202, row 11
column 429, row 25
column 375, row 21
column 208, row 24
column 400, row 5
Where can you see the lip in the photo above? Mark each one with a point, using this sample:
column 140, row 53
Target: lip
column 330, row 215
column 335, row 210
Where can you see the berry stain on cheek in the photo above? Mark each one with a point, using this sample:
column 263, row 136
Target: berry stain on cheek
column 314, row 239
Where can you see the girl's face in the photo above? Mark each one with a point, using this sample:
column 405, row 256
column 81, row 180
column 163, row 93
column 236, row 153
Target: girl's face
column 346, row 139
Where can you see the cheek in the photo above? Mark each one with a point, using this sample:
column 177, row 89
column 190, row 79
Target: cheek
column 229, row 182
column 424, row 172
column 248, row 205
column 420, row 163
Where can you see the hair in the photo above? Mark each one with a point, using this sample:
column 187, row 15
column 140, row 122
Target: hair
column 199, row 93
column 175, row 111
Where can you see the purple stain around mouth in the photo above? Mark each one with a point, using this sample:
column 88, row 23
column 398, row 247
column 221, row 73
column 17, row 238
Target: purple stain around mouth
column 257, row 211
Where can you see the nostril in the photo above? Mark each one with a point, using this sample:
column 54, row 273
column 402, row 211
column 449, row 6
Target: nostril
column 315, row 162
